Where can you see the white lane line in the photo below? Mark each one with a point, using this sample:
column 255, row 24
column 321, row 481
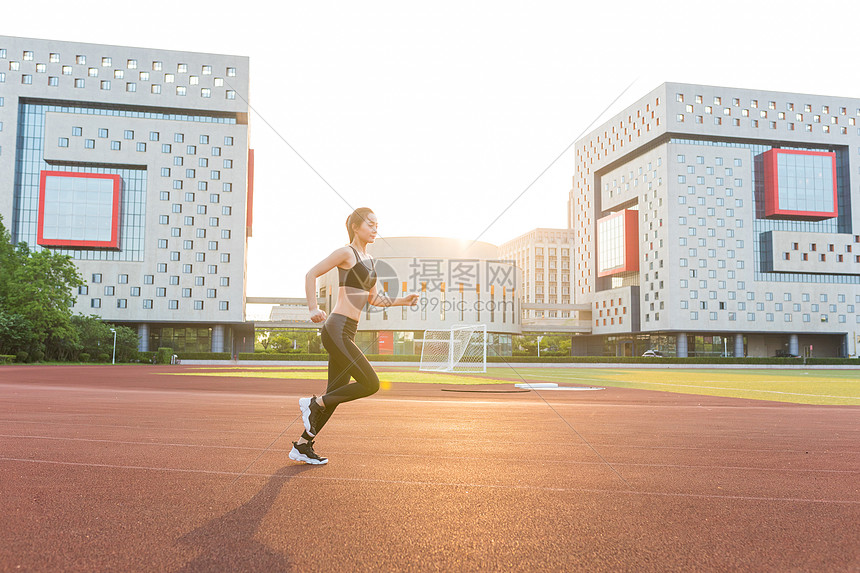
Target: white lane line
column 445, row 484
column 130, row 443
column 431, row 457
column 470, row 439
column 139, row 428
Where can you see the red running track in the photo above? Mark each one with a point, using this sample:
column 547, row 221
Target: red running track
column 124, row 469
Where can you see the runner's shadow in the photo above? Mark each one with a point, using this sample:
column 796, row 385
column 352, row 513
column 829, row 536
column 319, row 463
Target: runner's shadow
column 227, row 543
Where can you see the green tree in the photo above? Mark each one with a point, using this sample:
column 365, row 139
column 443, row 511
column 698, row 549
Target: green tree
column 263, row 339
column 96, row 339
column 16, row 333
column 38, row 286
column 280, row 342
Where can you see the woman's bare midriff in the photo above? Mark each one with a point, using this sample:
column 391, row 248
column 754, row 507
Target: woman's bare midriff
column 350, row 302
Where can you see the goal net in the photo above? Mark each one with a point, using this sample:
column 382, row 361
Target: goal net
column 455, row 349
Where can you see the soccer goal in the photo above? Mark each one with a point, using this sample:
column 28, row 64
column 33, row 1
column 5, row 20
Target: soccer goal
column 457, row 349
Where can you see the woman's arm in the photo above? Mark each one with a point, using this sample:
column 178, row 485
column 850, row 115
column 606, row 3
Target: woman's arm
column 337, row 257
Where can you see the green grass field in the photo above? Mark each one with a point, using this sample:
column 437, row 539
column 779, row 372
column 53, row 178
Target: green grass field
column 826, row 387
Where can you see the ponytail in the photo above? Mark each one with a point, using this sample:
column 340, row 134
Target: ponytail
column 355, row 220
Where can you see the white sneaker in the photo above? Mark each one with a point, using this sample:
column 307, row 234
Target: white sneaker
column 305, row 453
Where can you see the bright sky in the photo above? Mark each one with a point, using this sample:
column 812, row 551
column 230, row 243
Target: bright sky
column 438, row 115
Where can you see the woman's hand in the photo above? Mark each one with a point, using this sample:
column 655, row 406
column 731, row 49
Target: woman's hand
column 410, row 299
column 318, row 315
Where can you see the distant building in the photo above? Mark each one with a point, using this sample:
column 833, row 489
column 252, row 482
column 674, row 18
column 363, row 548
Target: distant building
column 135, row 163
column 713, row 219
column 544, row 256
column 293, row 311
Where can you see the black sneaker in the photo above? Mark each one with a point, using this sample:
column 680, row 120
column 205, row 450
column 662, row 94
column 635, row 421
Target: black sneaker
column 305, row 453
column 310, row 414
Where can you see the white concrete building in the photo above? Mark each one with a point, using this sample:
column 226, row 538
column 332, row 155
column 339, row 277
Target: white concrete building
column 712, row 219
column 135, row 162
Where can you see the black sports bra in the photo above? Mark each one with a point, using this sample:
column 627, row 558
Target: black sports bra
column 358, row 276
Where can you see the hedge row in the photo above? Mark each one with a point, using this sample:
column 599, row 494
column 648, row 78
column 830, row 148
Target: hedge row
column 324, row 357
column 261, row 356
column 204, row 355
column 672, row 360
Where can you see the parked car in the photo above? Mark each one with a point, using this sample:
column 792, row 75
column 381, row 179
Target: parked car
column 653, row 353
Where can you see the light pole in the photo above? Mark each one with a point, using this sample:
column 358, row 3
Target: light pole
column 539, row 339
column 113, row 360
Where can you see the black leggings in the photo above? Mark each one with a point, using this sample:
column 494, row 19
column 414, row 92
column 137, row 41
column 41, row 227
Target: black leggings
column 345, row 360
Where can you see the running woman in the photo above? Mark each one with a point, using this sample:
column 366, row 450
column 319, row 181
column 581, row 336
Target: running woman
column 357, row 273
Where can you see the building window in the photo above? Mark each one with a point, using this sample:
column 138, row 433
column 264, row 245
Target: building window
column 223, row 305
column 95, row 303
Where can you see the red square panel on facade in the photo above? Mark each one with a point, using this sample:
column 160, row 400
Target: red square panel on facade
column 799, row 184
column 618, row 243
column 79, row 210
